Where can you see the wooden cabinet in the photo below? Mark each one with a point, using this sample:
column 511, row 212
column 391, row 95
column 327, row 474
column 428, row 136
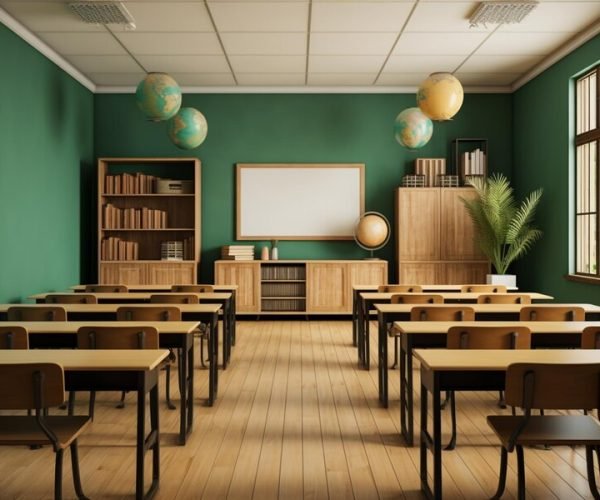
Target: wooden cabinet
column 327, row 285
column 435, row 238
column 246, row 275
column 143, row 204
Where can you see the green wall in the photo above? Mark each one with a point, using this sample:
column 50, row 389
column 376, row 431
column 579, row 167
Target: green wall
column 298, row 128
column 45, row 138
column 542, row 158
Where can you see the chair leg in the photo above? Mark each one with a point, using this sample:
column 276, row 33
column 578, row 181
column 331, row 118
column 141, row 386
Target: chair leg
column 92, row 405
column 589, row 460
column 76, row 475
column 452, row 398
column 520, row 473
column 121, row 403
column 71, row 403
column 170, row 404
column 202, row 362
column 58, row 475
column 501, row 402
column 446, row 400
column 502, row 476
column 396, row 349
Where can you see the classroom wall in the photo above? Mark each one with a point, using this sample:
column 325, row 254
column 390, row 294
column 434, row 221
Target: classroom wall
column 45, row 139
column 298, row 128
column 543, row 157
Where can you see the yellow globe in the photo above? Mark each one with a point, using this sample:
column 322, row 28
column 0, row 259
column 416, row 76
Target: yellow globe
column 440, row 96
column 371, row 231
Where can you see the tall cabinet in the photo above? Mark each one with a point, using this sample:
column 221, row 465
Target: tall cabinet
column 148, row 220
column 435, row 238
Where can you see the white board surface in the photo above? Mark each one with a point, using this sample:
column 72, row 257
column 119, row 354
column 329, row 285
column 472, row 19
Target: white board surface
column 298, row 201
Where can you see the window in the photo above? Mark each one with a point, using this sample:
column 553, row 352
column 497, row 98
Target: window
column 587, row 143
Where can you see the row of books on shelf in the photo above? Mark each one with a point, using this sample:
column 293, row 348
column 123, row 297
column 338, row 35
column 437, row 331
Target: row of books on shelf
column 285, row 272
column 114, row 248
column 133, row 218
column 283, row 290
column 474, row 163
column 137, row 183
column 237, row 252
column 284, row 305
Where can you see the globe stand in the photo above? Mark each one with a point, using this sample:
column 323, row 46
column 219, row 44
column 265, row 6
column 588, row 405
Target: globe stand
column 363, row 242
column 372, row 257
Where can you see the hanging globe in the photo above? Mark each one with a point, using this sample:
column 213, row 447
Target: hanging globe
column 440, row 96
column 158, row 96
column 412, row 128
column 188, row 128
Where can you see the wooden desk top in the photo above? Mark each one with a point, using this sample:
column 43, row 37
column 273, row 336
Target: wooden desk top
column 451, row 295
column 159, row 288
column 426, row 288
column 89, row 359
column 481, row 308
column 112, row 308
column 499, row 359
column 54, row 327
column 140, row 295
column 442, row 327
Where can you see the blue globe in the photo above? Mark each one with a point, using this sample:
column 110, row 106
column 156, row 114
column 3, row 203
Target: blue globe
column 413, row 128
column 158, row 96
column 188, row 128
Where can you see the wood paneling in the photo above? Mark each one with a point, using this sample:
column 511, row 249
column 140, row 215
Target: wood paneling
column 462, row 273
column 326, row 287
column 123, row 274
column 169, row 273
column 420, row 272
column 457, row 230
column 418, row 221
column 247, row 276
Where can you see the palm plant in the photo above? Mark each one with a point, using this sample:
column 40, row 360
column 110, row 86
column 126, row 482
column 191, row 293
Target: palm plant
column 503, row 228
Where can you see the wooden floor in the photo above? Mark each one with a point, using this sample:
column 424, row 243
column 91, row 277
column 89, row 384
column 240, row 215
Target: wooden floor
column 295, row 418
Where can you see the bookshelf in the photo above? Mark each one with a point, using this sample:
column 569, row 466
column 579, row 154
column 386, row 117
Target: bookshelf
column 143, row 203
column 470, row 158
column 283, row 287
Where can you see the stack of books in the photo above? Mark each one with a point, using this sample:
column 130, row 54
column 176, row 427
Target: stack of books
column 237, row 252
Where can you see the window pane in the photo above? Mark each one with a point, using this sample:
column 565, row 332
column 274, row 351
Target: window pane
column 593, row 242
column 583, row 178
column 586, row 103
column 583, row 244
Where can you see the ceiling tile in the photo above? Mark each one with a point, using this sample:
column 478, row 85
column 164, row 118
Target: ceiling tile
column 185, row 64
column 170, row 43
column 359, row 16
column 48, row 16
column 200, row 79
column 427, row 64
column 260, row 16
column 266, row 79
column 170, row 16
column 412, row 79
column 438, row 43
column 499, row 64
column 444, row 17
column 502, row 43
column 264, row 43
column 104, row 64
column 341, row 79
column 558, row 16
column 473, row 79
column 69, row 44
column 268, row 64
column 351, row 43
column 345, row 64
column 119, row 79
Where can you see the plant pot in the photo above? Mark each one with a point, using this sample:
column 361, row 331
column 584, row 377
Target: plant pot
column 510, row 280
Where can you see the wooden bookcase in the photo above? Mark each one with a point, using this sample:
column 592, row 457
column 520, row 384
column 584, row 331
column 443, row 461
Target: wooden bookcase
column 131, row 210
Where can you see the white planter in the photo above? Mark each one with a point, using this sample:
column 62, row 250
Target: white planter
column 510, row 280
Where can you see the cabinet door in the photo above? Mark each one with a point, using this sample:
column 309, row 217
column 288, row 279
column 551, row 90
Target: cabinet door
column 123, row 274
column 418, row 273
column 457, row 231
column 171, row 273
column 366, row 273
column 463, row 273
column 418, row 223
column 327, row 287
column 246, row 275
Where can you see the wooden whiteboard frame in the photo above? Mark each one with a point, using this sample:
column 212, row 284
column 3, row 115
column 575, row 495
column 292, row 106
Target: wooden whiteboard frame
column 352, row 174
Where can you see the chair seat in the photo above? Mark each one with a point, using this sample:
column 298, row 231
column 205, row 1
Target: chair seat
column 23, row 430
column 548, row 429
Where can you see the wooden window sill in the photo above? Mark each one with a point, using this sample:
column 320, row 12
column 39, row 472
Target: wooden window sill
column 582, row 279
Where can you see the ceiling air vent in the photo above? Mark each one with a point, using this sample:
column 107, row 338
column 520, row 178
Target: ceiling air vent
column 499, row 12
column 103, row 13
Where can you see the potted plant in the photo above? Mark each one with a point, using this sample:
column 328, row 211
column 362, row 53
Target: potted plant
column 503, row 227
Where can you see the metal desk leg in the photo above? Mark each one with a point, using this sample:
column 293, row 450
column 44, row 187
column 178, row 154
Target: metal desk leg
column 367, row 335
column 406, row 390
column 150, row 442
column 233, row 310
column 382, row 365
column 360, row 333
column 213, row 343
column 431, row 443
column 186, row 388
column 354, row 317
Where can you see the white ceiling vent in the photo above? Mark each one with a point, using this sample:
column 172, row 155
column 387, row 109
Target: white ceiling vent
column 500, row 12
column 94, row 12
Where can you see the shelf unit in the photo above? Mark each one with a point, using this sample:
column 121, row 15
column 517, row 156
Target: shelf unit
column 466, row 145
column 138, row 260
column 283, row 287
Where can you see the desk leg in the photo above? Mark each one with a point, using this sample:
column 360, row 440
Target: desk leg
column 186, row 389
column 225, row 338
column 213, row 343
column 233, row 309
column 429, row 443
column 360, row 333
column 406, row 390
column 382, row 365
column 150, row 442
column 367, row 335
column 354, row 317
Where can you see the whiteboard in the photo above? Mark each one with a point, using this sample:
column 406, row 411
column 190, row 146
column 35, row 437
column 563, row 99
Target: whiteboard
column 299, row 201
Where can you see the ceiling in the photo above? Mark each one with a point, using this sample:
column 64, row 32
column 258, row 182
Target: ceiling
column 306, row 44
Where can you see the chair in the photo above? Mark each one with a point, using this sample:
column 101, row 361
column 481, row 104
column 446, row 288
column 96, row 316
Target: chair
column 36, row 313
column 442, row 313
column 13, row 337
column 548, row 386
column 400, row 289
column 483, row 289
column 552, row 313
column 590, row 337
column 71, row 298
column 106, row 288
column 483, row 337
column 193, row 288
column 156, row 313
column 37, row 386
column 504, row 298
column 111, row 337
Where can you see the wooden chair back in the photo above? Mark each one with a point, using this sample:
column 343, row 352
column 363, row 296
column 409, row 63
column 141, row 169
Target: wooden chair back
column 36, row 313
column 553, row 386
column 400, row 289
column 13, row 337
column 174, row 298
column 483, row 289
column 193, row 288
column 32, row 386
column 590, row 337
column 489, row 337
column 106, row 288
column 71, row 298
column 109, row 337
column 504, row 298
column 417, row 298
column 445, row 313
column 552, row 313
column 156, row 313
